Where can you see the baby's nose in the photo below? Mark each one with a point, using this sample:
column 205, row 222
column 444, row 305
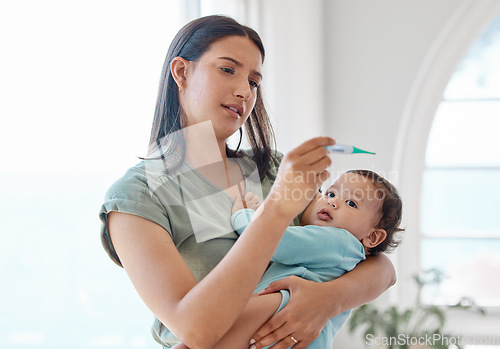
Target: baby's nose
column 331, row 202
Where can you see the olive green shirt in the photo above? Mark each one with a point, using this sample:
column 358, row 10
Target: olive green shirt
column 195, row 212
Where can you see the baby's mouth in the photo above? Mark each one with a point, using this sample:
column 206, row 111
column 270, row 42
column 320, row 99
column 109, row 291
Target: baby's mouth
column 325, row 215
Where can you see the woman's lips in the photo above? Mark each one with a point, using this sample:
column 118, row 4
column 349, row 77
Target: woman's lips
column 234, row 109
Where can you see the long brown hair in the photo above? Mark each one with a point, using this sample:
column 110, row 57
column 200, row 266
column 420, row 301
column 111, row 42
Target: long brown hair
column 190, row 43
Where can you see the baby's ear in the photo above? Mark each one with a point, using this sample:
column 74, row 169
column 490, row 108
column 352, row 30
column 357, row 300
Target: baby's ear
column 376, row 237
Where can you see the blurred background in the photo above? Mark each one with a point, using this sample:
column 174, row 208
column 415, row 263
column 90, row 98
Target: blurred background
column 418, row 82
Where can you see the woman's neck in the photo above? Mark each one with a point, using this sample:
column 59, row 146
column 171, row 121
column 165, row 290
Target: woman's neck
column 214, row 164
column 206, row 153
column 202, row 145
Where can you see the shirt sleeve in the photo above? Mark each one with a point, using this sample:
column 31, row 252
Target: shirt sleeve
column 240, row 219
column 130, row 194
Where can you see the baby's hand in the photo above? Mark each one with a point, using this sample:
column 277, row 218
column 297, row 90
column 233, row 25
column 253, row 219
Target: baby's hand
column 250, row 201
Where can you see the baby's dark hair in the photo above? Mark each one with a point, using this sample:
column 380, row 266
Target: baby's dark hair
column 390, row 213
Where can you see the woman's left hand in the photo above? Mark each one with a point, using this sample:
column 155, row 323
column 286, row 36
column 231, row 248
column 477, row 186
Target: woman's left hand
column 302, row 319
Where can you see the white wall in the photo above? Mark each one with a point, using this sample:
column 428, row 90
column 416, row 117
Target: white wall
column 375, row 50
column 293, row 33
column 345, row 68
column 354, row 69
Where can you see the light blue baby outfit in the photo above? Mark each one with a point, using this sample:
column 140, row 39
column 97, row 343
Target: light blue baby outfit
column 314, row 253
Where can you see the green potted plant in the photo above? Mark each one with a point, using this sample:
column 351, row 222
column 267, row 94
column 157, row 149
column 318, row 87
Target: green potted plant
column 420, row 326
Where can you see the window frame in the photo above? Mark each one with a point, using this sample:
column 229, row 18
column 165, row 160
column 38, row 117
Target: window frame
column 450, row 46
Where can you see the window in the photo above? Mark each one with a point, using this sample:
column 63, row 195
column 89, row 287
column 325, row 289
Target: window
column 460, row 201
column 78, row 87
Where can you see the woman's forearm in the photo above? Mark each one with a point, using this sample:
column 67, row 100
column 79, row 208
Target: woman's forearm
column 231, row 283
column 198, row 313
column 360, row 286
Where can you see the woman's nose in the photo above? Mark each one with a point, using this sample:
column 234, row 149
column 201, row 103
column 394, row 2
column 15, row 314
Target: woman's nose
column 243, row 90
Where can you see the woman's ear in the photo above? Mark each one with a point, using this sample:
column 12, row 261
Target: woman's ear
column 178, row 69
column 376, row 237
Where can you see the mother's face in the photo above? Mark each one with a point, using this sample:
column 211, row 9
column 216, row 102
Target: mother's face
column 221, row 86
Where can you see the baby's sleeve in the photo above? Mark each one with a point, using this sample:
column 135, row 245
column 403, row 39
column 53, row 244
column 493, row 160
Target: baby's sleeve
column 240, row 219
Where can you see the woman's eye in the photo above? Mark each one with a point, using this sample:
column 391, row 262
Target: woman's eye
column 330, row 194
column 227, row 70
column 351, row 203
column 253, row 83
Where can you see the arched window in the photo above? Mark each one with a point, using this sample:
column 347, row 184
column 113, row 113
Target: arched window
column 460, row 202
column 449, row 166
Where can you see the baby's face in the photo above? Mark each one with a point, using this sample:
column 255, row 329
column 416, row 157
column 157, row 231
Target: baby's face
column 350, row 203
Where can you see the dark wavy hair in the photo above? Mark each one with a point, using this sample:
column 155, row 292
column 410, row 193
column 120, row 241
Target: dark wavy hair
column 391, row 211
column 194, row 39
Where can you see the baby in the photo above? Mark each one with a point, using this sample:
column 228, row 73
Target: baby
column 357, row 216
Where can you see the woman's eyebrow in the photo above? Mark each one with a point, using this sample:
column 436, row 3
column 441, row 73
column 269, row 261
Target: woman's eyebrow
column 239, row 64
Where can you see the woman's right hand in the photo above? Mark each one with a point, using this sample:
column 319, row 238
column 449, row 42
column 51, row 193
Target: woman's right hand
column 300, row 175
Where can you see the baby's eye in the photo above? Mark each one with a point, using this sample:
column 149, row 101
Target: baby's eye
column 330, row 194
column 351, row 203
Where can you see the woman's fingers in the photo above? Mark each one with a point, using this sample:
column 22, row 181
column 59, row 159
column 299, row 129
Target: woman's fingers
column 315, row 155
column 302, row 318
column 313, row 143
column 321, row 164
column 278, row 332
column 307, row 167
column 306, row 161
column 309, row 164
column 287, row 341
column 276, row 286
column 268, row 334
column 301, row 173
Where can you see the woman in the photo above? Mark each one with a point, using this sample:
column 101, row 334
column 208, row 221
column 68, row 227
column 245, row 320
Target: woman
column 166, row 221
